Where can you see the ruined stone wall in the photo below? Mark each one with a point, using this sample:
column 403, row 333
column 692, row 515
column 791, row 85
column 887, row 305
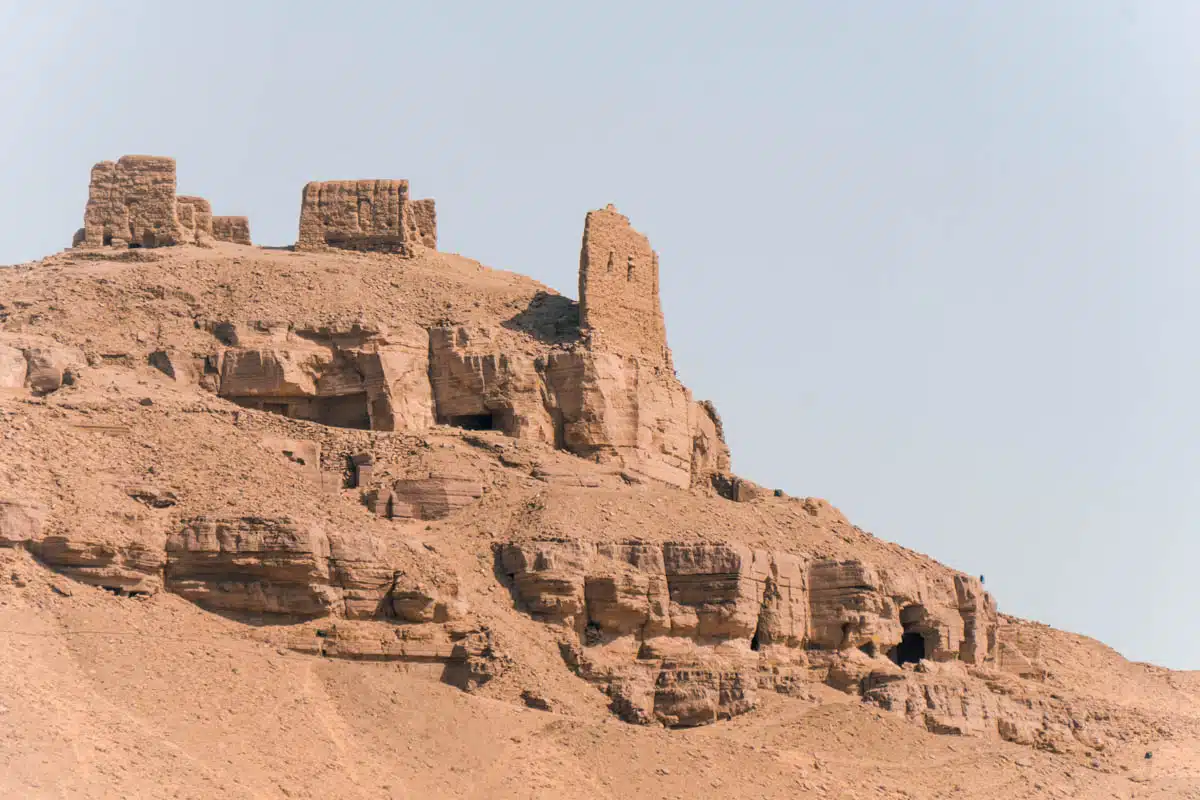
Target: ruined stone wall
column 618, row 289
column 370, row 215
column 231, row 229
column 195, row 218
column 422, row 222
column 132, row 202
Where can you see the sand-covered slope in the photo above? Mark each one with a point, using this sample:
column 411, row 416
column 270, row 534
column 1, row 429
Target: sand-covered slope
column 340, row 524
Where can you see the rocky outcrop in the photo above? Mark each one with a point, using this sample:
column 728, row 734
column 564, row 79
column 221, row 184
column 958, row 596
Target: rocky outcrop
column 686, row 632
column 127, row 568
column 231, row 229
column 460, row 653
column 479, row 387
column 21, row 522
column 38, row 364
column 617, row 409
column 281, row 567
column 953, row 699
column 252, row 565
column 13, row 368
column 431, row 497
column 356, row 381
column 371, row 215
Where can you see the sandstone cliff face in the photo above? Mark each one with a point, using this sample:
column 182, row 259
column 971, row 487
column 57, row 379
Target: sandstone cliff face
column 686, row 633
column 372, row 215
column 354, row 380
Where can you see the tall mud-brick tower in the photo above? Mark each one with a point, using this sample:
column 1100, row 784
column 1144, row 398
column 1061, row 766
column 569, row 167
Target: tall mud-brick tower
column 619, row 307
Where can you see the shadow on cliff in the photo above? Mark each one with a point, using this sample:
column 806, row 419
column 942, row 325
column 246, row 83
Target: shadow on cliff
column 549, row 318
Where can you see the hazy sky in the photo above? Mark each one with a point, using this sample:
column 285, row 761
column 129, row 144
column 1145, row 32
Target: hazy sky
column 937, row 262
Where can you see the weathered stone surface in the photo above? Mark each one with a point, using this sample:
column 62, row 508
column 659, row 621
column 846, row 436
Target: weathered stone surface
column 613, row 408
column 50, row 367
column 175, row 365
column 373, row 215
column 13, row 368
column 252, row 565
column 21, row 522
column 382, row 384
column 952, row 699
column 231, row 229
column 460, row 654
column 476, row 386
column 421, row 219
column 127, row 568
column 684, row 632
column 618, row 289
column 433, row 497
column 305, row 454
column 132, row 202
column 195, row 218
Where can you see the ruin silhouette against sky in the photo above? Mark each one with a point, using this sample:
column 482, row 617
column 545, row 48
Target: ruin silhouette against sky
column 935, row 262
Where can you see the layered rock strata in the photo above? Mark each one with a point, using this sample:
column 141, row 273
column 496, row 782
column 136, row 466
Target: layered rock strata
column 685, row 633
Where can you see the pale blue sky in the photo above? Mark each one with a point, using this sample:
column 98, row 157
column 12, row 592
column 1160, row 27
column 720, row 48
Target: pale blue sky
column 933, row 261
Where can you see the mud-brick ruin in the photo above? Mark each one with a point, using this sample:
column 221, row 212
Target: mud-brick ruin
column 370, row 215
column 132, row 202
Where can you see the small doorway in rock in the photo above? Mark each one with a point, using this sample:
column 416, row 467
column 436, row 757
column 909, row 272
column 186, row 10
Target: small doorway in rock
column 917, row 636
column 910, row 650
column 343, row 411
column 474, row 422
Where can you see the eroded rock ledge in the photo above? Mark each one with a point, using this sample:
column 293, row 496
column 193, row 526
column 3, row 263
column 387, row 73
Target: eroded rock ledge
column 685, row 633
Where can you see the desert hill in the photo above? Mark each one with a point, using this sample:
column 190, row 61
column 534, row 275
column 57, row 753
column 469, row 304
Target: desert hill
column 359, row 518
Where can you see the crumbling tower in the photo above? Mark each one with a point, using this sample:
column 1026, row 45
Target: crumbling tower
column 619, row 308
column 369, row 215
column 132, row 203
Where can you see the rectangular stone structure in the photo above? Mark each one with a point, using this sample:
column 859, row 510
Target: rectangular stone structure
column 369, row 215
column 231, row 229
column 196, row 218
column 131, row 202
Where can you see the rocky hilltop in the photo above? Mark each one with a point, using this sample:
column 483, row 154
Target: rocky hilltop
column 364, row 456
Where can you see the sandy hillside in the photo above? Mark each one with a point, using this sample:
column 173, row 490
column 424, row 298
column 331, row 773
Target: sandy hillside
column 325, row 523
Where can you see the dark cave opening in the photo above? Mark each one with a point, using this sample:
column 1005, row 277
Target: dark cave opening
column 474, row 422
column 910, row 650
